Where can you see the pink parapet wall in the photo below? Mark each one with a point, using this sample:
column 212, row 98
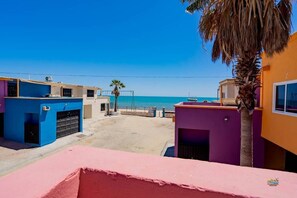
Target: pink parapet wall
column 90, row 172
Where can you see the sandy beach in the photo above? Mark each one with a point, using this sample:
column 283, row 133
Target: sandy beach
column 125, row 133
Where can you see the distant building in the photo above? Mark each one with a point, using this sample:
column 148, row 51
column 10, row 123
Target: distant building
column 279, row 101
column 92, row 103
column 228, row 92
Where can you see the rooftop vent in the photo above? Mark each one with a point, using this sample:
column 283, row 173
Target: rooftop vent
column 48, row 79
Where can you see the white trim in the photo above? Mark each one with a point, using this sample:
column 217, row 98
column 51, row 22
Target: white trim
column 273, row 97
column 285, row 99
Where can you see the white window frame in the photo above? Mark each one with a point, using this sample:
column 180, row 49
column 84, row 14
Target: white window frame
column 285, row 104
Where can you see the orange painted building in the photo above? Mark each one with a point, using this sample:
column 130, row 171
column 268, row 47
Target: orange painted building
column 279, row 102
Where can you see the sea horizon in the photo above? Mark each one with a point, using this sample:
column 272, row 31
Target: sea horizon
column 145, row 102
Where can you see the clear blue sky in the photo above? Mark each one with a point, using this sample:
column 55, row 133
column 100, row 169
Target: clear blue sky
column 104, row 37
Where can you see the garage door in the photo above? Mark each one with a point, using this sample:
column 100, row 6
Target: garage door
column 68, row 122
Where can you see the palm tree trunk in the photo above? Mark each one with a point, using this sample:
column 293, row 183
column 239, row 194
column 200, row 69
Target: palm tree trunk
column 115, row 104
column 247, row 78
column 246, row 148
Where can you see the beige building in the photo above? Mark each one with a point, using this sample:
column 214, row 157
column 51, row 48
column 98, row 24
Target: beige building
column 92, row 102
column 228, row 92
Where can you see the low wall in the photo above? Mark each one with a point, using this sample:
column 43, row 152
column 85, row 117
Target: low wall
column 137, row 113
column 169, row 114
column 106, row 173
column 201, row 103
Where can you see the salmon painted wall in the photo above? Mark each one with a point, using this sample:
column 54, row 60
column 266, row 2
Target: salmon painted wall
column 277, row 128
column 93, row 172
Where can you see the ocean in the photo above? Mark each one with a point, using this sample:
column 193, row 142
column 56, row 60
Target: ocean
column 144, row 102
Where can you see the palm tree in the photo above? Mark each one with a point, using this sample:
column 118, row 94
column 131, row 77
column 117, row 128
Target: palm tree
column 240, row 31
column 118, row 85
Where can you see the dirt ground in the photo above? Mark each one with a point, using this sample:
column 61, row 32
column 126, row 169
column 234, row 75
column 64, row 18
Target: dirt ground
column 132, row 133
column 125, row 133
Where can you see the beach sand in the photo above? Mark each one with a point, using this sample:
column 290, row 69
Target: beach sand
column 125, row 133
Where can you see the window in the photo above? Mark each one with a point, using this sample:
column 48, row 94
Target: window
column 291, row 100
column 67, row 92
column 285, row 98
column 280, row 98
column 102, row 107
column 90, row 93
column 12, row 89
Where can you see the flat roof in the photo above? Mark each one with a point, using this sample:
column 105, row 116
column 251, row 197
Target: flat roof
column 44, row 98
column 60, row 84
column 229, row 80
column 48, row 83
column 197, row 106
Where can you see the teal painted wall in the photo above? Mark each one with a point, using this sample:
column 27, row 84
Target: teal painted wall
column 18, row 111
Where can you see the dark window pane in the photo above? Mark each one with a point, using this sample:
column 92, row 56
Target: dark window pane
column 280, row 98
column 90, row 93
column 291, row 98
column 67, row 93
column 12, row 89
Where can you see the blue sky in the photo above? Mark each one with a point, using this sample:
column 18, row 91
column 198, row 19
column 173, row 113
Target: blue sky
column 109, row 38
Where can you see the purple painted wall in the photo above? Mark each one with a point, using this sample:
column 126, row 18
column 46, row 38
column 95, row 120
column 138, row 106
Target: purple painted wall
column 224, row 135
column 3, row 93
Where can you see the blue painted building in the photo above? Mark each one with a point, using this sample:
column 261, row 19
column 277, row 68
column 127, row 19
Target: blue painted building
column 29, row 89
column 41, row 121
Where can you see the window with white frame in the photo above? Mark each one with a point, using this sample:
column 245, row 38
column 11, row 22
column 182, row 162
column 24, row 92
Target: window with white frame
column 285, row 98
column 291, row 99
column 280, row 97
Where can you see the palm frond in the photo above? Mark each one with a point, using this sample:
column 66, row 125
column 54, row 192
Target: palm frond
column 240, row 31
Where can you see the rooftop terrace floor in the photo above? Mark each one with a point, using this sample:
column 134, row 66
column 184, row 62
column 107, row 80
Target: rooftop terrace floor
column 92, row 172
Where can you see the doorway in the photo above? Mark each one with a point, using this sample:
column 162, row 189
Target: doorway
column 193, row 144
column 291, row 162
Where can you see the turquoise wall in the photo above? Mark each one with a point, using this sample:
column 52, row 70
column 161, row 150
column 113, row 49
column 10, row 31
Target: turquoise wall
column 20, row 110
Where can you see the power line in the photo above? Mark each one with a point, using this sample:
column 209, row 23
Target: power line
column 113, row 76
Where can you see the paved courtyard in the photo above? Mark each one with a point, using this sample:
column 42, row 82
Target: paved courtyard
column 126, row 133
